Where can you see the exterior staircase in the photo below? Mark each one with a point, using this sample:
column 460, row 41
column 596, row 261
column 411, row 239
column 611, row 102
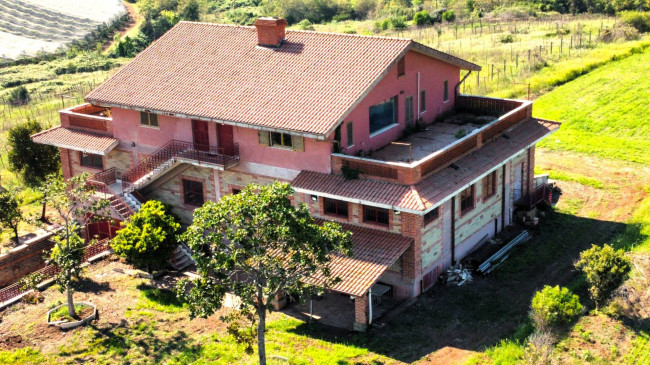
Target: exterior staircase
column 176, row 152
column 182, row 258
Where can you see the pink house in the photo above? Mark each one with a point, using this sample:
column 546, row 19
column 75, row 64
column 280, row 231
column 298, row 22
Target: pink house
column 371, row 132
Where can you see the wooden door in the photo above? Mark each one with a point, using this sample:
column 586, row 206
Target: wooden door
column 201, row 135
column 225, row 139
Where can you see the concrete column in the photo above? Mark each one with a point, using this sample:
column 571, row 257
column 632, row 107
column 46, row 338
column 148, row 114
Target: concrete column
column 361, row 313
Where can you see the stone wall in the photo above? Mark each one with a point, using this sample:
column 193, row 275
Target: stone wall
column 24, row 259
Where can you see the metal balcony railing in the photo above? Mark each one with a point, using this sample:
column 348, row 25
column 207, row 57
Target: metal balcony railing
column 220, row 156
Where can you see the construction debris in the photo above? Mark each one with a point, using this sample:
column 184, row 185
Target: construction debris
column 496, row 259
column 458, row 275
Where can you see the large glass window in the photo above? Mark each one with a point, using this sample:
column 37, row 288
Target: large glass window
column 383, row 115
column 92, row 160
column 193, row 192
column 336, row 207
column 375, row 215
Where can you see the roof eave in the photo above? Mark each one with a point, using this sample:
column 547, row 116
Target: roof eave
column 444, row 57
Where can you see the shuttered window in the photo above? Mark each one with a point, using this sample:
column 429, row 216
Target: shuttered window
column 281, row 140
column 445, row 90
column 350, row 141
column 489, row 184
column 335, row 207
column 467, row 200
column 375, row 215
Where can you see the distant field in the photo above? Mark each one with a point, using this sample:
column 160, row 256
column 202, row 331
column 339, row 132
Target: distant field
column 31, row 26
column 604, row 113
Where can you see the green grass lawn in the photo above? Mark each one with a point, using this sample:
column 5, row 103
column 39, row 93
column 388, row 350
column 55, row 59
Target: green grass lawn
column 604, row 113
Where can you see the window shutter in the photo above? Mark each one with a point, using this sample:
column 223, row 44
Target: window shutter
column 298, row 143
column 144, row 118
column 263, row 137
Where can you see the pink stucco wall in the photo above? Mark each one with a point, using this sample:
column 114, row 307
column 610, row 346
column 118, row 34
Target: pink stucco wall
column 432, row 76
column 127, row 129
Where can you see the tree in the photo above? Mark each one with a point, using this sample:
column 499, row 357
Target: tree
column 256, row 244
column 10, row 214
column 75, row 204
column 605, row 268
column 190, row 10
column 19, row 96
column 33, row 161
column 150, row 236
column 554, row 307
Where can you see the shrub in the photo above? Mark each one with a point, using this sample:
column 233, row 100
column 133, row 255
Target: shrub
column 19, row 96
column 149, row 238
column 637, row 20
column 605, row 269
column 422, row 18
column 305, row 24
column 385, row 24
column 398, row 22
column 509, row 38
column 449, row 16
column 554, row 307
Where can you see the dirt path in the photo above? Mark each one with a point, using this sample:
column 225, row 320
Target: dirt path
column 134, row 20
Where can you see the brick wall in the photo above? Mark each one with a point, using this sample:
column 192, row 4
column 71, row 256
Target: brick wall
column 24, row 259
column 361, row 313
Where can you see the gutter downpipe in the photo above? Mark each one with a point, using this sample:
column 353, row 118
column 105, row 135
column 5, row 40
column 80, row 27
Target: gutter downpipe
column 370, row 306
column 457, row 87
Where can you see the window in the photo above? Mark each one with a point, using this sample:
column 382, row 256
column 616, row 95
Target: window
column 431, row 216
column 149, row 119
column 408, row 110
column 445, row 90
column 193, row 192
column 350, row 141
column 281, row 139
column 92, row 160
column 375, row 215
column 336, row 207
column 383, row 115
column 467, row 200
column 401, row 67
column 423, row 101
column 489, row 184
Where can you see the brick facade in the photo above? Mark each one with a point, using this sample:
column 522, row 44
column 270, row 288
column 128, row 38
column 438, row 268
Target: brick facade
column 361, row 313
column 24, row 259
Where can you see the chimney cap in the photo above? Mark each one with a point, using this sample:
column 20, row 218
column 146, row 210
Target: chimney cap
column 270, row 31
column 269, row 21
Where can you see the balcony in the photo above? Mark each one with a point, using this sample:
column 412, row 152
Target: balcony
column 178, row 152
column 475, row 121
column 88, row 118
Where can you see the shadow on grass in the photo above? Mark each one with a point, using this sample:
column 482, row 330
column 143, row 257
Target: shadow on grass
column 491, row 308
column 161, row 296
column 87, row 285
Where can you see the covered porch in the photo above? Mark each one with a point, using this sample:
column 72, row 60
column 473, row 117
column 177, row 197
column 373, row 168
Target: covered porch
column 360, row 297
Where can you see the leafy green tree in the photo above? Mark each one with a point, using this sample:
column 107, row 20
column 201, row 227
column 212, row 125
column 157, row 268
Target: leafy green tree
column 256, row 244
column 554, row 307
column 449, row 16
column 189, row 10
column 605, row 269
column 149, row 238
column 10, row 214
column 33, row 161
column 19, row 96
column 422, row 18
column 76, row 205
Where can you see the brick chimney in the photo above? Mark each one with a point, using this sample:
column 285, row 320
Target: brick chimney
column 270, row 31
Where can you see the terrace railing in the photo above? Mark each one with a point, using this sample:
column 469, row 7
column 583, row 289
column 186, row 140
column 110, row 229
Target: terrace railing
column 512, row 112
column 540, row 194
column 178, row 150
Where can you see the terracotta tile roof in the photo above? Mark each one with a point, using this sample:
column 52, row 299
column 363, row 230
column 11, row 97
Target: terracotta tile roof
column 373, row 252
column 218, row 72
column 76, row 140
column 435, row 188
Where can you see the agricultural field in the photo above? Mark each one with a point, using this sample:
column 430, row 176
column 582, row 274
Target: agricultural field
column 29, row 27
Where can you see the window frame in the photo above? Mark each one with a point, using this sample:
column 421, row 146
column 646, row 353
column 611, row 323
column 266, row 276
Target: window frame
column 423, row 101
column 401, row 66
column 376, row 215
column 93, row 159
column 445, row 91
column 432, row 216
column 149, row 119
column 394, row 101
column 283, row 137
column 350, row 135
column 490, row 185
column 409, row 115
column 338, row 206
column 467, row 202
column 186, row 191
